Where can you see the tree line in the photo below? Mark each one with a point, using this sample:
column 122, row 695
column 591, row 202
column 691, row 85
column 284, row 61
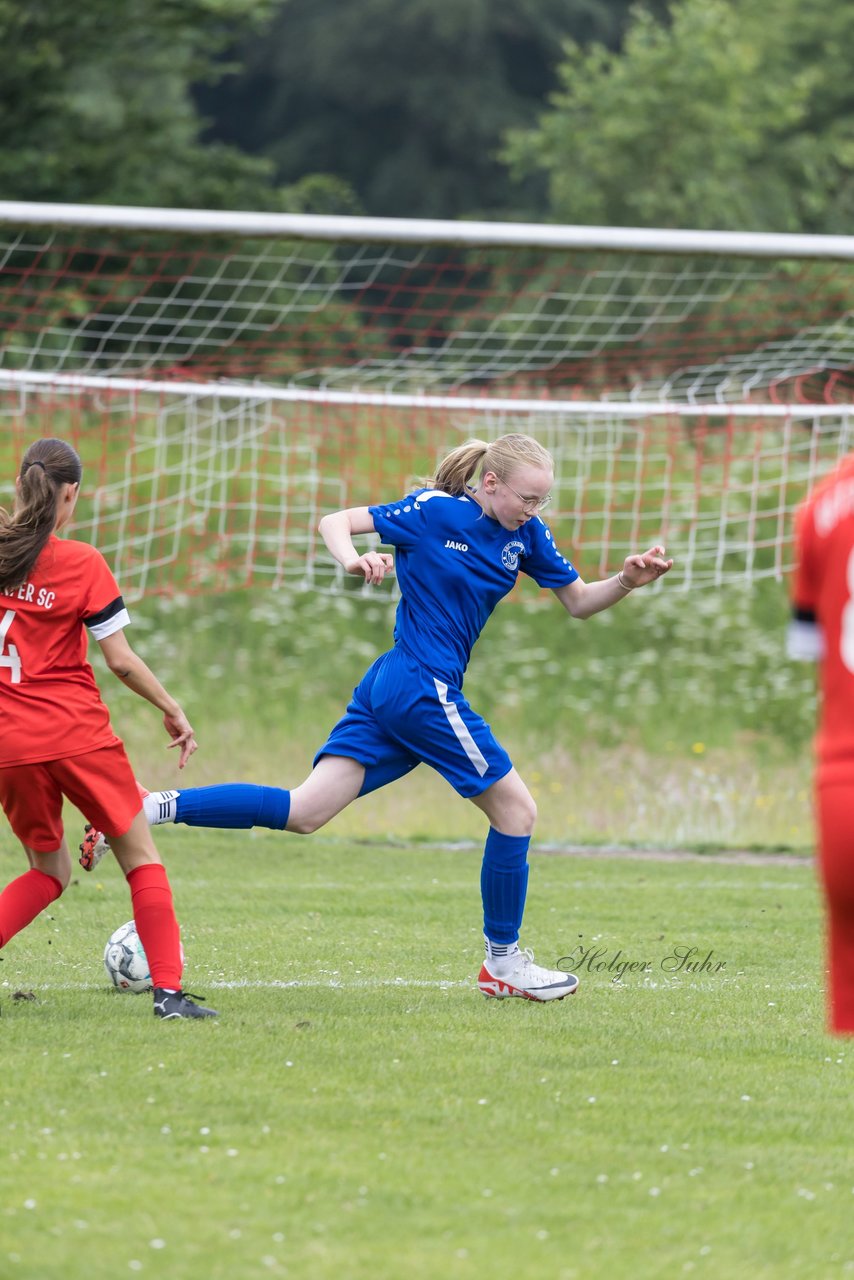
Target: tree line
column 706, row 113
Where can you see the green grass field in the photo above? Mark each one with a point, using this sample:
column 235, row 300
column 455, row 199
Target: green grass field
column 359, row 1111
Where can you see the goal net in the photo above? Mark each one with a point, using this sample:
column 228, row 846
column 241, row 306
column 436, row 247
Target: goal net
column 229, row 378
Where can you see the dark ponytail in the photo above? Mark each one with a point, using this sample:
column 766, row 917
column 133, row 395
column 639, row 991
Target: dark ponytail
column 46, row 467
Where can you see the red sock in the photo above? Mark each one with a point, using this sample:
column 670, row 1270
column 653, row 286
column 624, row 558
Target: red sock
column 156, row 924
column 23, row 899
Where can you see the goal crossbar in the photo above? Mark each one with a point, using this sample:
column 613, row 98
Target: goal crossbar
column 350, row 229
column 628, row 409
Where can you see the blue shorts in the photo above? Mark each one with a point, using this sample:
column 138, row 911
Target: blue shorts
column 401, row 715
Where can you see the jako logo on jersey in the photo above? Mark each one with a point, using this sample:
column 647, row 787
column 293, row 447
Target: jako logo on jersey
column 510, row 555
column 456, row 546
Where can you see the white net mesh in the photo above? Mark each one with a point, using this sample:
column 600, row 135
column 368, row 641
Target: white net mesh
column 195, row 489
column 425, row 317
column 226, row 384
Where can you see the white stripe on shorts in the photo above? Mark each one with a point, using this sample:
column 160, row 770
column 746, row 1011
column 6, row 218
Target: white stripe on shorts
column 461, row 729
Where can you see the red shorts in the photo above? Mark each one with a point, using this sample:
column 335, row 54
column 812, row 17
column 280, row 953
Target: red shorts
column 100, row 783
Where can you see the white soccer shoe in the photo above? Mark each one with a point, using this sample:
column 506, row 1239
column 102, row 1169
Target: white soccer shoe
column 517, row 975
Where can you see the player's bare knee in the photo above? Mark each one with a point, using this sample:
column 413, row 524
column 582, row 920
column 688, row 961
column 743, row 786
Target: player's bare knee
column 56, row 864
column 63, row 876
column 58, row 872
column 521, row 812
column 526, row 815
column 303, row 824
column 516, row 819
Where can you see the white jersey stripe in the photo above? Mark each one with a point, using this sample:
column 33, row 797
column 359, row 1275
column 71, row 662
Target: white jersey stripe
column 101, row 630
column 461, row 729
column 805, row 641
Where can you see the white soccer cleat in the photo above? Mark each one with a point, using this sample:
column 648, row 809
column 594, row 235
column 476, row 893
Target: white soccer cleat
column 517, row 975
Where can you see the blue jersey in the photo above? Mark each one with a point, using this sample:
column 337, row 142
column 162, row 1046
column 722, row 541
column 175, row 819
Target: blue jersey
column 454, row 563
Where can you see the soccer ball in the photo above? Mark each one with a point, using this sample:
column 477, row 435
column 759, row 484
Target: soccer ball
column 125, row 960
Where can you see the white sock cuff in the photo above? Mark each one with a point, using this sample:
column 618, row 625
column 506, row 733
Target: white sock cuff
column 159, row 806
column 499, row 950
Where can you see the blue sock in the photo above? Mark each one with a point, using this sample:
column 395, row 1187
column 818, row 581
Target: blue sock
column 503, row 885
column 234, row 804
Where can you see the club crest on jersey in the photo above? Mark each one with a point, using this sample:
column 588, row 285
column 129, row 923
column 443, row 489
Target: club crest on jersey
column 510, row 555
column 450, row 545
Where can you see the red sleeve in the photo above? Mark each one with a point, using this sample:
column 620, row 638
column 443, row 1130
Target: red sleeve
column 102, row 608
column 804, row 639
column 805, row 583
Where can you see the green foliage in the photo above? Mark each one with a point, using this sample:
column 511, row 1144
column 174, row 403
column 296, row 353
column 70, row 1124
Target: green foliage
column 95, row 104
column 726, row 116
column 709, row 115
column 149, row 304
column 407, row 102
column 379, row 1119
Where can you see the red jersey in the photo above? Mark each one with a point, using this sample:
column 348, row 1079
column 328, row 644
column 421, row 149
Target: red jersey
column 50, row 707
column 823, row 600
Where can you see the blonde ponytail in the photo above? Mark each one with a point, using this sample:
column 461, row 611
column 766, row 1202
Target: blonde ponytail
column 454, row 471
column 503, row 456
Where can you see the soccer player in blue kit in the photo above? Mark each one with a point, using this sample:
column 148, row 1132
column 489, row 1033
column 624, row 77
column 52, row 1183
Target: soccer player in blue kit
column 459, row 550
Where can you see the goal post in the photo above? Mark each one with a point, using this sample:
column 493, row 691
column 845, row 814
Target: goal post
column 230, row 377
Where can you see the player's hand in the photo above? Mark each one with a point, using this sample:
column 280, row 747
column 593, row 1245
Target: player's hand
column 642, row 569
column 375, row 565
column 181, row 732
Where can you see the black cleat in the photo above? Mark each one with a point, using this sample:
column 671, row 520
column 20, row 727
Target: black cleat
column 176, row 1004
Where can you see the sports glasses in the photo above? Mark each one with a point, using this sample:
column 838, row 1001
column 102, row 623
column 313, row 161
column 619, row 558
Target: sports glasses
column 529, row 504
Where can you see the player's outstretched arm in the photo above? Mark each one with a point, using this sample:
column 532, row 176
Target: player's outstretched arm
column 128, row 667
column 582, row 599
